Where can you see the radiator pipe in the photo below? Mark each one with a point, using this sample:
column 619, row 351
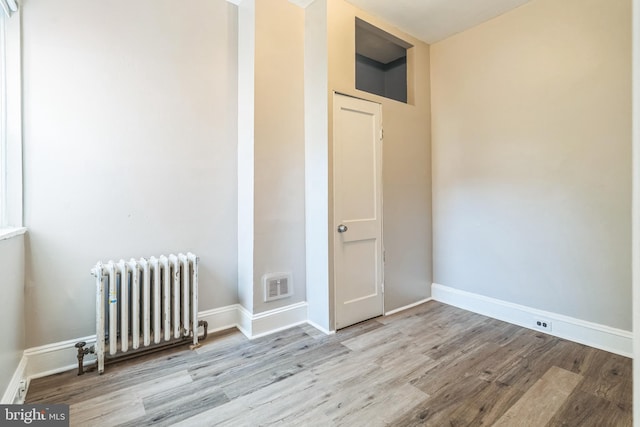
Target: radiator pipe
column 204, row 325
column 81, row 353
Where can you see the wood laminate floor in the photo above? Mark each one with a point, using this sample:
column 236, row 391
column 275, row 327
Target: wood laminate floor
column 432, row 365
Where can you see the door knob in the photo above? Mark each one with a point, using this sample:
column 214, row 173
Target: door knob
column 342, row 228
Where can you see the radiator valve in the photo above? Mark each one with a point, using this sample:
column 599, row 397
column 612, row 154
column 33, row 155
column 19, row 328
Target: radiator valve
column 82, row 351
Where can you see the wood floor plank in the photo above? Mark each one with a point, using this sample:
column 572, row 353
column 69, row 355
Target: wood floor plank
column 532, row 365
column 608, row 376
column 373, row 339
column 249, row 357
column 439, row 376
column 118, row 376
column 476, row 335
column 112, row 411
column 125, row 404
column 357, row 389
column 485, row 407
column 169, row 406
column 249, row 352
column 540, row 403
column 586, row 410
column 226, row 340
column 267, row 405
column 378, row 407
column 262, row 374
column 436, row 410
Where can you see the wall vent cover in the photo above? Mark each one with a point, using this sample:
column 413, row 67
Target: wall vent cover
column 277, row 286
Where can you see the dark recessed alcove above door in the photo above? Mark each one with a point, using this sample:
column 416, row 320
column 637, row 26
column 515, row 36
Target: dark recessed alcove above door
column 381, row 62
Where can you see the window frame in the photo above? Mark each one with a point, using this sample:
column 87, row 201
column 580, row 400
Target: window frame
column 11, row 185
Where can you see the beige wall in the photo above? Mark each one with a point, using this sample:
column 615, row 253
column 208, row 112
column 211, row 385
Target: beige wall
column 531, row 159
column 406, row 156
column 129, row 147
column 279, row 239
column 12, row 312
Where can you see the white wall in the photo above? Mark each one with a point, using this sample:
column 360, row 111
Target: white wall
column 316, row 153
column 12, row 313
column 130, row 148
column 531, row 159
column 246, row 107
column 279, row 219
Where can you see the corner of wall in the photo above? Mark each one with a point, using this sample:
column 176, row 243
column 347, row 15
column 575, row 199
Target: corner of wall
column 16, row 390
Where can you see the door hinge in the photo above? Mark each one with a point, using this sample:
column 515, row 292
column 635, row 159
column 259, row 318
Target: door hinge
column 384, row 256
column 382, row 287
column 381, row 134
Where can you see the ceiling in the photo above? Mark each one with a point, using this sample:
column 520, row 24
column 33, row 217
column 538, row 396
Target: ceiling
column 435, row 20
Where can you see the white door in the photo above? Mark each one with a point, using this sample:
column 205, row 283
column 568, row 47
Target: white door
column 357, row 219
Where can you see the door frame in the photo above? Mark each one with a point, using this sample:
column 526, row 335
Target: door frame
column 333, row 223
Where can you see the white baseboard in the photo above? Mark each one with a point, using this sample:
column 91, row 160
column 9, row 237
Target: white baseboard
column 268, row 322
column 320, row 328
column 221, row 318
column 56, row 357
column 603, row 337
column 406, row 307
column 245, row 322
column 12, row 393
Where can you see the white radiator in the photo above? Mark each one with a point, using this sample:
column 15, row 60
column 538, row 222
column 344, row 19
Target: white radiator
column 145, row 303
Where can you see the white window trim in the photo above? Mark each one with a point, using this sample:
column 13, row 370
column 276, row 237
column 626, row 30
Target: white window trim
column 8, row 233
column 11, row 215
